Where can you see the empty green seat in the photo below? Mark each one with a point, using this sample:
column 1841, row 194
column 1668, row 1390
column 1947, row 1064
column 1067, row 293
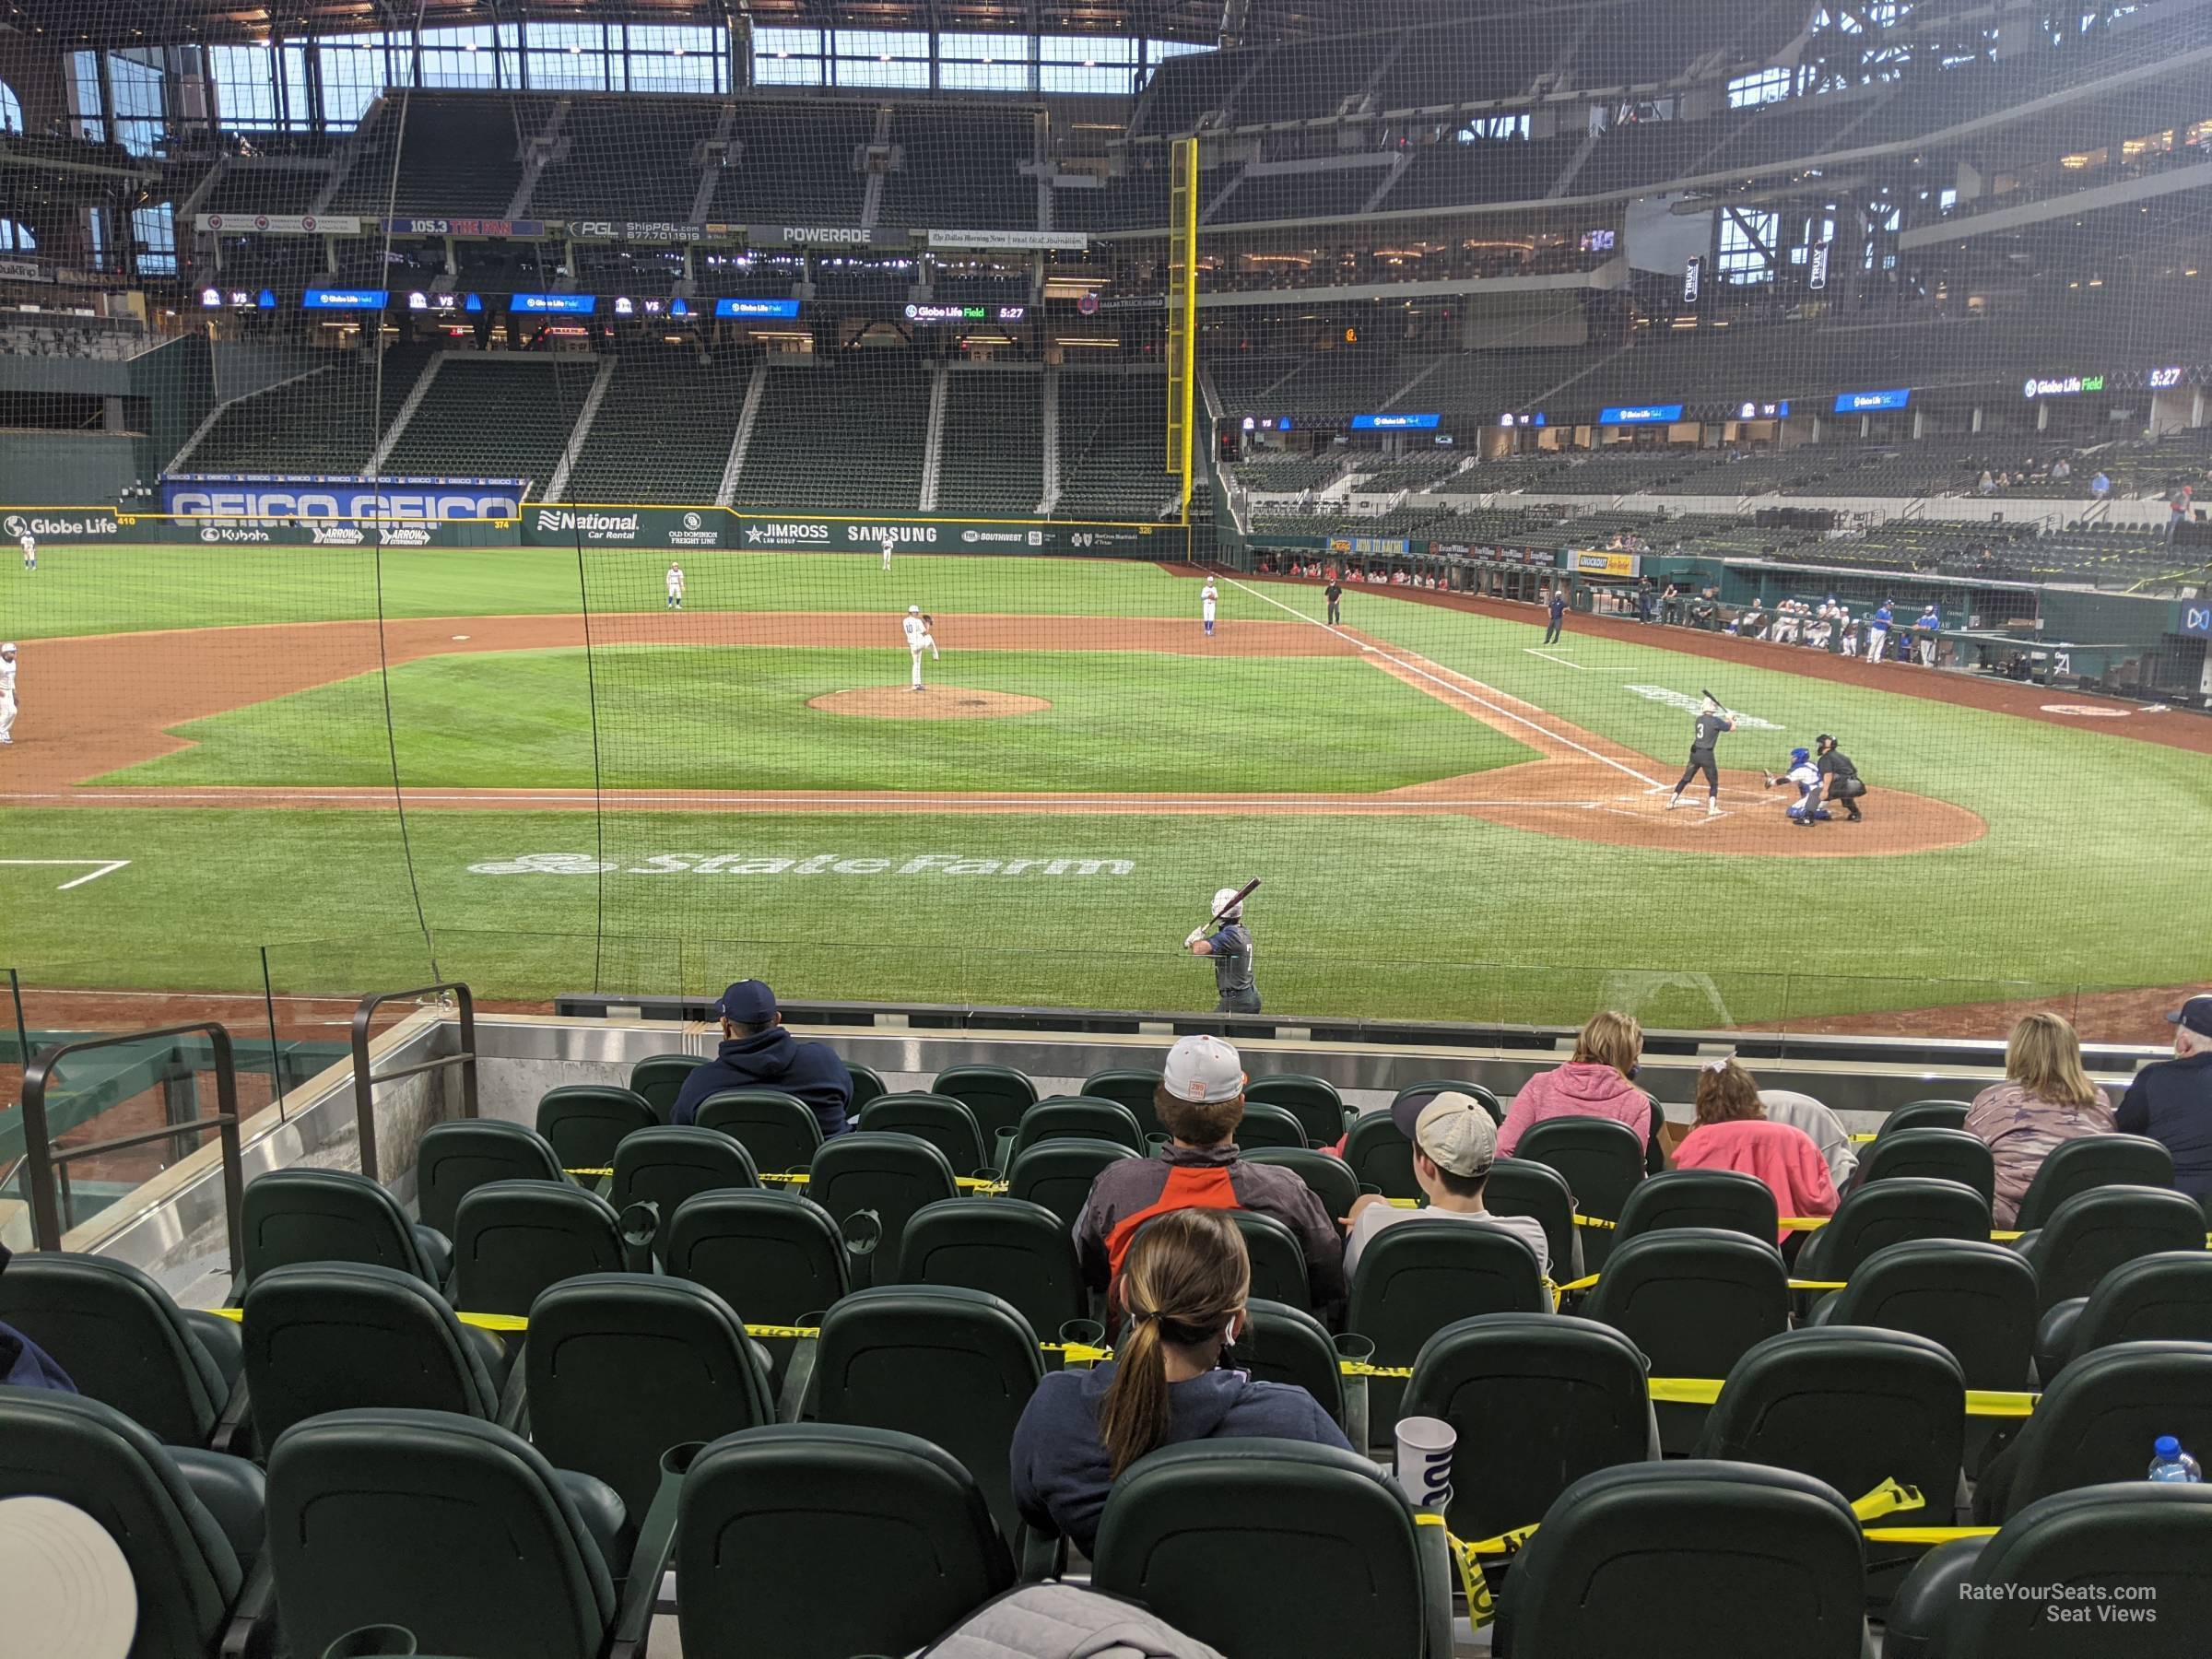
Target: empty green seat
column 1379, row 1155
column 1314, row 1102
column 1265, row 1124
column 944, row 1123
column 996, row 1095
column 1923, row 1114
column 2093, row 1232
column 465, row 1153
column 2163, row 1297
column 1722, row 1198
column 1131, row 1087
column 517, row 1237
column 1326, row 1176
column 658, row 1079
column 668, row 1163
column 1415, row 1095
column 1932, row 1153
column 1021, row 1253
column 878, row 1180
column 586, row 1122
column 1278, row 1261
column 1890, row 1212
column 1074, row 1117
column 1517, row 1187
column 1975, row 1298
column 1285, row 1343
column 2097, row 1420
column 305, row 1215
column 775, row 1257
column 2093, row 1160
column 1601, row 1162
column 779, row 1130
column 1058, row 1174
column 1417, row 1277
column 867, row 1086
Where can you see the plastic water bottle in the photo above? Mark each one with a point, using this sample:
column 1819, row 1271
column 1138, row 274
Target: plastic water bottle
column 2169, row 1462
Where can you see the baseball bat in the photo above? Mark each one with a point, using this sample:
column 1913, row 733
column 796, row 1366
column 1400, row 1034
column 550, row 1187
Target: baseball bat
column 1243, row 893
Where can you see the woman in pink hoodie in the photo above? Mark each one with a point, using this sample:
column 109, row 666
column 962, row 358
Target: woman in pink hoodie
column 1596, row 1083
column 1733, row 1133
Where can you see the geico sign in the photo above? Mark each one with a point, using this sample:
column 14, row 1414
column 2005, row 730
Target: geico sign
column 348, row 504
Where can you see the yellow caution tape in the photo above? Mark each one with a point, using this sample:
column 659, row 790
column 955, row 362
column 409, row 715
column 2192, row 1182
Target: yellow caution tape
column 1862, row 1136
column 967, row 1183
column 1472, row 1584
column 1887, row 1499
column 483, row 1321
column 1926, row 1535
column 1597, row 1221
column 1802, row 1223
column 597, row 1174
column 1584, row 1283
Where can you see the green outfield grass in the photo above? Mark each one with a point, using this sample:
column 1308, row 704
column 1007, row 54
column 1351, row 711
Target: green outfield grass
column 704, row 717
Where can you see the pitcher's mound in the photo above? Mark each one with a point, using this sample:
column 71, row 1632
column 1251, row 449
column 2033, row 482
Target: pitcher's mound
column 933, row 702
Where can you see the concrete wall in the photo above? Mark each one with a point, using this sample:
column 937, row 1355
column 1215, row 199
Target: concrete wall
column 62, row 469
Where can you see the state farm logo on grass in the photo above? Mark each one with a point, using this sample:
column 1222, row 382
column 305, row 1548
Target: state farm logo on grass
column 801, row 864
column 1691, row 705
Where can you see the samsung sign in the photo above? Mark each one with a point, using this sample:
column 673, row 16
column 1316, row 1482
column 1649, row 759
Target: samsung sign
column 233, row 497
column 785, row 309
column 1395, row 423
column 1860, row 403
column 1640, row 414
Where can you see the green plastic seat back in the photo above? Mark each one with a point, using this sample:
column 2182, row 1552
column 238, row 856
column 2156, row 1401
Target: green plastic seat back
column 2093, row 1232
column 2154, row 1539
column 1694, row 1299
column 455, row 1157
column 1537, row 1400
column 890, row 1175
column 586, row 1122
column 664, row 1165
column 1058, row 1174
column 780, row 1132
column 1021, row 1253
column 306, row 1215
column 1428, row 1090
column 1267, row 1548
column 659, row 1078
column 954, row 1366
column 1890, row 1212
column 1379, row 1155
column 1677, row 1559
column 454, row 1529
column 2093, row 1160
column 1601, row 1162
column 516, row 1236
column 1077, row 1117
column 867, row 1086
column 1975, row 1298
column 944, row 1123
column 1133, row 1086
column 2098, row 1419
column 1517, row 1187
column 1278, row 1262
column 1724, row 1198
column 1326, row 1176
column 1267, row 1124
column 1923, row 1114
column 778, row 1515
column 1282, row 1343
column 623, row 1366
column 1932, row 1154
column 2163, row 1296
column 87, row 1454
column 1416, row 1277
column 998, row 1095
column 120, row 1337
column 332, row 1336
column 1314, row 1102
column 775, row 1257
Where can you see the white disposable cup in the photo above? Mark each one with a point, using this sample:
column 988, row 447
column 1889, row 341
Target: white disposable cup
column 1425, row 1448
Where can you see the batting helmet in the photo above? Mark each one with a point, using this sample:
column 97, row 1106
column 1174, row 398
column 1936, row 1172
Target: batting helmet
column 1223, row 907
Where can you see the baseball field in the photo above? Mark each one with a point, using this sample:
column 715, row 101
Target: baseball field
column 523, row 766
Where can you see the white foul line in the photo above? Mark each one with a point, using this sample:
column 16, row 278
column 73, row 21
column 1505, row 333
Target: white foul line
column 106, row 867
column 1561, row 661
column 1456, row 691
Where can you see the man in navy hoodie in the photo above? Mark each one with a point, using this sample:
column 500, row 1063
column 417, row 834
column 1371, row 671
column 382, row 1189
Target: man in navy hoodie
column 758, row 1053
column 2170, row 1100
column 23, row 1363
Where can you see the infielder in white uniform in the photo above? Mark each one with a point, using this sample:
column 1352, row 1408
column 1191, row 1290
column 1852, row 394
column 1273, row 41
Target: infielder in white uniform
column 31, row 551
column 888, row 542
column 676, row 587
column 918, row 637
column 1207, row 597
column 7, row 691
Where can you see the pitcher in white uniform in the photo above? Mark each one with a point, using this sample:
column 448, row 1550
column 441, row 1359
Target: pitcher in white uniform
column 7, row 693
column 1208, row 597
column 918, row 640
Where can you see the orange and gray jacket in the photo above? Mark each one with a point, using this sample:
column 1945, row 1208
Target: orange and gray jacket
column 1129, row 1194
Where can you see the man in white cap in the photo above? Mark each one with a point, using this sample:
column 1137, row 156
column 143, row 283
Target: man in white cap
column 7, row 691
column 1199, row 1102
column 1454, row 1145
column 918, row 640
column 1230, row 950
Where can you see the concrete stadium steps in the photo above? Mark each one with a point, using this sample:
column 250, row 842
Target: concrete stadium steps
column 456, row 153
column 991, row 458
column 494, row 415
column 664, row 428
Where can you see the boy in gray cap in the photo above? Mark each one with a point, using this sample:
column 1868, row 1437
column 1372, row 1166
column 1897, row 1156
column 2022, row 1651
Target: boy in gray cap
column 1454, row 1143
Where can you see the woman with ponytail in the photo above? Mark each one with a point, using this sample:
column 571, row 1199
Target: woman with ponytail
column 1185, row 1283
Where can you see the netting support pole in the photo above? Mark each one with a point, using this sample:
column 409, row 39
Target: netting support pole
column 1182, row 317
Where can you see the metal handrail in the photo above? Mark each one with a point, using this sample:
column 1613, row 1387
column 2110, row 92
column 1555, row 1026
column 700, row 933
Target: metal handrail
column 365, row 1079
column 46, row 1164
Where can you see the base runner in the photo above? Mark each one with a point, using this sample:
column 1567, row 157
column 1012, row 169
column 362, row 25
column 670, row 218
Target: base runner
column 1230, row 950
column 1711, row 722
column 918, row 636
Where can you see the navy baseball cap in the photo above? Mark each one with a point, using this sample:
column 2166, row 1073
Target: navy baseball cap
column 2195, row 1015
column 748, row 1002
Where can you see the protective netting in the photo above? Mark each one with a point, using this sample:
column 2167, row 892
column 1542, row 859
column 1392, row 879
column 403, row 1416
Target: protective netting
column 480, row 473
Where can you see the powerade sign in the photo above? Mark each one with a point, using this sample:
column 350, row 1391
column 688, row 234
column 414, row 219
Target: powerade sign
column 783, row 309
column 238, row 495
column 567, row 305
column 344, row 299
column 1862, row 403
column 1397, row 423
column 1640, row 414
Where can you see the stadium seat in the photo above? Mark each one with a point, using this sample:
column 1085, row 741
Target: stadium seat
column 160, row 1507
column 623, row 1366
column 457, row 1531
column 2094, row 1161
column 1428, row 1091
column 124, row 1342
column 1722, row 1198
column 953, row 1366
column 454, row 1156
column 1975, row 1298
column 1417, row 1277
column 2093, row 1232
column 1278, row 1261
column 2144, row 1545
column 1930, row 1154
column 2096, row 1421
column 331, row 1335
column 516, row 1236
column 586, row 1122
column 1058, row 1174
column 1602, row 1162
column 658, row 1079
column 775, row 1257
column 996, row 1095
column 1077, row 1117
column 669, row 1163
column 887, row 1176
column 867, row 1086
column 1326, row 1176
column 1269, row 1125
column 1021, row 1253
column 1130, row 1087
column 1379, row 1155
column 308, row 1215
column 775, row 1518
column 1890, row 1212
column 1273, row 1549
column 1312, row 1102
column 1284, row 1344
column 2165, row 1296
column 1922, row 1115
column 1687, row 1560
column 779, row 1131
column 944, row 1123
column 1694, row 1299
column 1517, row 1187
column 1537, row 1400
